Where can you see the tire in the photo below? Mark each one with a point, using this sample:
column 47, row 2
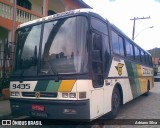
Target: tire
column 115, row 103
column 148, row 88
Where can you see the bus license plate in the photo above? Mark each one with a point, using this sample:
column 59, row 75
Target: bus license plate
column 38, row 107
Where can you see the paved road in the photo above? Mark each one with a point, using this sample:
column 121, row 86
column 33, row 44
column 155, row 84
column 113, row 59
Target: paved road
column 4, row 108
column 143, row 107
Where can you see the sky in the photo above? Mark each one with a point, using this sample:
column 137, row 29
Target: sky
column 119, row 12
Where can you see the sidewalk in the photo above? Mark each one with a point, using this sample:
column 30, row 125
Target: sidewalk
column 4, row 108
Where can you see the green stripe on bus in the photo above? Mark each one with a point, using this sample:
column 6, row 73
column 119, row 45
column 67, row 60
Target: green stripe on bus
column 137, row 84
column 53, row 86
column 131, row 69
column 41, row 85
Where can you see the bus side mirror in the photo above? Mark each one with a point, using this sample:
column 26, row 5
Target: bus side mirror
column 97, row 42
column 97, row 61
column 96, row 55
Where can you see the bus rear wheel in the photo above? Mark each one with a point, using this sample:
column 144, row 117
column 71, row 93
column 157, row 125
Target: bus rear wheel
column 148, row 88
column 115, row 103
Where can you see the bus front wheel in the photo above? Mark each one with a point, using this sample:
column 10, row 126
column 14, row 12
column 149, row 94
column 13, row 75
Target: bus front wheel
column 115, row 103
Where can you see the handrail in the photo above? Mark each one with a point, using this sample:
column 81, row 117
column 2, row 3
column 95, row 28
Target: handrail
column 22, row 15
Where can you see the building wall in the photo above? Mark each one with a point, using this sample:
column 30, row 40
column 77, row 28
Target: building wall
column 37, row 6
column 3, row 37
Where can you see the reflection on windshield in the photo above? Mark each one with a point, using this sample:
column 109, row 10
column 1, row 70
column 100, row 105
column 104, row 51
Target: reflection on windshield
column 63, row 49
column 64, row 46
column 28, row 40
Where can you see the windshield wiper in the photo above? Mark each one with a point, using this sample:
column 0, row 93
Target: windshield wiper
column 57, row 77
column 21, row 74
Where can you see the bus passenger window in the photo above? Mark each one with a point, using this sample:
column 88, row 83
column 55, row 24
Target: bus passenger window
column 117, row 44
column 147, row 59
column 137, row 54
column 129, row 50
column 121, row 47
column 143, row 57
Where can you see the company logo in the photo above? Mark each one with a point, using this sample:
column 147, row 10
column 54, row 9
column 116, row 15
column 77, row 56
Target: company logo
column 37, row 94
column 119, row 68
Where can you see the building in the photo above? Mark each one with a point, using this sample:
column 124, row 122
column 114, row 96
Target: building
column 155, row 52
column 15, row 12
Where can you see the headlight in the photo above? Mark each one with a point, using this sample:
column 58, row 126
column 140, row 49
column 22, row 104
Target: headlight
column 64, row 95
column 72, row 95
column 69, row 95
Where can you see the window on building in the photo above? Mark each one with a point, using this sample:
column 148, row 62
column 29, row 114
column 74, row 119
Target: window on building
column 51, row 12
column 25, row 4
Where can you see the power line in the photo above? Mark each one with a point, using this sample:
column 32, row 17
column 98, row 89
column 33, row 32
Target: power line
column 134, row 22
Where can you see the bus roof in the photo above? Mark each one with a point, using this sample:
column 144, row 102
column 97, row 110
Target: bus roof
column 76, row 11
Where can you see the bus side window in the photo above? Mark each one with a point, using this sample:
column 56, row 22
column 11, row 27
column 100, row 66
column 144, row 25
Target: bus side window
column 129, row 50
column 117, row 43
column 137, row 54
column 147, row 59
column 121, row 46
column 150, row 61
column 143, row 57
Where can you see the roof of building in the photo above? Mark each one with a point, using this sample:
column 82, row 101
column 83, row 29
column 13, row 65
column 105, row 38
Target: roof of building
column 155, row 52
column 81, row 3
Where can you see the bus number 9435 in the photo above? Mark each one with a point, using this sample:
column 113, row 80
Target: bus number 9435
column 21, row 86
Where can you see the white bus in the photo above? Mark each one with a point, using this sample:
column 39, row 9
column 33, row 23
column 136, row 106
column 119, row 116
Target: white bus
column 76, row 65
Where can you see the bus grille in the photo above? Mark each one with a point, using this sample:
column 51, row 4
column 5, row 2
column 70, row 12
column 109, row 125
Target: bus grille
column 42, row 94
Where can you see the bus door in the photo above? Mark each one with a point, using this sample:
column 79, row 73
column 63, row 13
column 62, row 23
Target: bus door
column 97, row 76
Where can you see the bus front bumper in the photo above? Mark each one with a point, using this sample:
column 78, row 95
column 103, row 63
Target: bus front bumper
column 51, row 109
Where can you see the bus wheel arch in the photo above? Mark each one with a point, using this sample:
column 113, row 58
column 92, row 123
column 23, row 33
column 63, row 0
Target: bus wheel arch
column 121, row 93
column 117, row 97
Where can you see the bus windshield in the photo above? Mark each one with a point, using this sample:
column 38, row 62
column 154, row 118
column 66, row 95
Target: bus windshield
column 63, row 48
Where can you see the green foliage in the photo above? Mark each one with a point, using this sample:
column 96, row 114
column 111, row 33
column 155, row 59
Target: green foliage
column 5, row 83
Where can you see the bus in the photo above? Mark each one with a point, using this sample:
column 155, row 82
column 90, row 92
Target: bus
column 76, row 65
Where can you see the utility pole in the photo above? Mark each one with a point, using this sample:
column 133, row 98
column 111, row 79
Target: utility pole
column 134, row 23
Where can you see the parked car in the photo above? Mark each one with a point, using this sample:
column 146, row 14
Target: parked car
column 157, row 78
